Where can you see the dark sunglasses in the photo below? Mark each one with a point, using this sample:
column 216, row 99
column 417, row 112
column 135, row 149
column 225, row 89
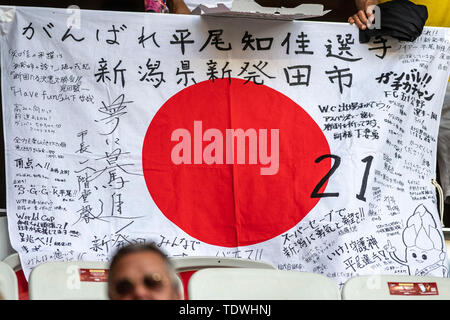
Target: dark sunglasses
column 152, row 281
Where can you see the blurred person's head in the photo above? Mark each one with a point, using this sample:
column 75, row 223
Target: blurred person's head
column 142, row 272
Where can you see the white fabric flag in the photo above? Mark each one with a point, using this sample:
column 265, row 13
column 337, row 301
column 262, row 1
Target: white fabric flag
column 284, row 142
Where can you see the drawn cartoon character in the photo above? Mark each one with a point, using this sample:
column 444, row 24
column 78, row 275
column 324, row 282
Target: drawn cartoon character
column 425, row 253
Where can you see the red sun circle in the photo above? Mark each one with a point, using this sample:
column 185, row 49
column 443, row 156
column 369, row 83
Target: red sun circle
column 234, row 205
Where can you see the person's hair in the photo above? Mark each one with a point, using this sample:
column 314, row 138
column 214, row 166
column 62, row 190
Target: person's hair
column 134, row 248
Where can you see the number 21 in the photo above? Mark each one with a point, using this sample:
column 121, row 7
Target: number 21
column 337, row 161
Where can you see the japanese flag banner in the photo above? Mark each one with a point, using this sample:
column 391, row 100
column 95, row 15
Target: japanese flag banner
column 287, row 142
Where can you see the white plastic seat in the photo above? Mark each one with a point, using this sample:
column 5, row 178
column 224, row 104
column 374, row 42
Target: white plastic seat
column 8, row 282
column 5, row 245
column 260, row 284
column 13, row 260
column 376, row 287
column 183, row 264
column 61, row 281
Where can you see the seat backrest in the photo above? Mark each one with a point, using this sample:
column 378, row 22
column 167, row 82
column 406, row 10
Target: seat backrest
column 13, row 260
column 260, row 284
column 5, row 245
column 73, row 280
column 8, row 282
column 183, row 264
column 396, row 287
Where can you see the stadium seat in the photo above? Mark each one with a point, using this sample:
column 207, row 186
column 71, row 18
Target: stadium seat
column 5, row 245
column 8, row 282
column 396, row 287
column 183, row 264
column 187, row 266
column 74, row 280
column 260, row 284
column 13, row 261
